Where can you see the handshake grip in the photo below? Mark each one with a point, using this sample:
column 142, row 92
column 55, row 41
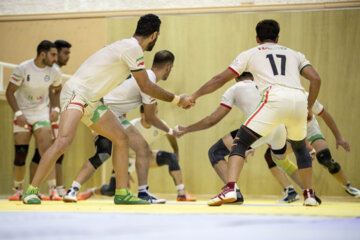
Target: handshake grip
column 184, row 100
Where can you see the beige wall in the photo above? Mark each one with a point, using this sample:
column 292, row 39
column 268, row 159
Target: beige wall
column 205, row 45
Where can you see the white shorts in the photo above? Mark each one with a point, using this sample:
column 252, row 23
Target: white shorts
column 314, row 131
column 37, row 119
column 124, row 122
column 276, row 139
column 92, row 111
column 280, row 105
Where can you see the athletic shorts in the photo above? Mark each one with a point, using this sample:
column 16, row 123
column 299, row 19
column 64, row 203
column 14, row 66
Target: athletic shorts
column 37, row 119
column 314, row 131
column 124, row 122
column 280, row 105
column 92, row 110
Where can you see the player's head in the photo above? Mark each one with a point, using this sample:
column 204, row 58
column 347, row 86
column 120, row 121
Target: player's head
column 63, row 48
column 244, row 76
column 267, row 31
column 163, row 62
column 148, row 27
column 47, row 53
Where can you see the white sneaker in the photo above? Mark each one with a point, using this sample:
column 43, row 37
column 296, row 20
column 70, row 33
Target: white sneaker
column 147, row 196
column 70, row 195
column 227, row 195
column 352, row 191
column 309, row 198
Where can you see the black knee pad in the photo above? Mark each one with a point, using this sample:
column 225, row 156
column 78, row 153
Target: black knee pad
column 302, row 155
column 244, row 138
column 36, row 158
column 109, row 189
column 325, row 159
column 217, row 152
column 268, row 159
column 166, row 158
column 60, row 159
column 279, row 151
column 233, row 133
column 20, row 154
column 103, row 151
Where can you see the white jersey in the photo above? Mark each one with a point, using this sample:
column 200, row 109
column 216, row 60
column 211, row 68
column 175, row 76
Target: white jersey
column 271, row 64
column 243, row 95
column 107, row 68
column 34, row 83
column 151, row 134
column 317, row 109
column 128, row 96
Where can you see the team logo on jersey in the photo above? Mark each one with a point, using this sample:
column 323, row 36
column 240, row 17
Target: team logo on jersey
column 28, row 77
column 140, row 61
column 47, row 78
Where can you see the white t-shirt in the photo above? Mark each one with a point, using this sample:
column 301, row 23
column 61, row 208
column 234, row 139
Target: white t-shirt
column 34, row 83
column 271, row 64
column 107, row 69
column 243, row 95
column 317, row 109
column 128, row 95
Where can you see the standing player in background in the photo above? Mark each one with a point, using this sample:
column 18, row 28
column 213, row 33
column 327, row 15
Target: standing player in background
column 63, row 48
column 81, row 101
column 28, row 96
column 276, row 72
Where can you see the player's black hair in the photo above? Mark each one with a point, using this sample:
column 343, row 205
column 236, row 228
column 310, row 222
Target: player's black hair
column 147, row 25
column 267, row 29
column 162, row 57
column 62, row 44
column 45, row 46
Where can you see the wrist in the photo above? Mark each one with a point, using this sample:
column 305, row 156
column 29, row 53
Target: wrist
column 56, row 109
column 170, row 132
column 18, row 113
column 176, row 100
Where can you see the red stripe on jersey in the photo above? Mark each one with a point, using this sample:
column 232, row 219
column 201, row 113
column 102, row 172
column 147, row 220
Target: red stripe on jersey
column 237, row 74
column 224, row 105
column 15, row 79
column 140, row 64
column 321, row 112
column 153, row 100
column 262, row 105
column 75, row 103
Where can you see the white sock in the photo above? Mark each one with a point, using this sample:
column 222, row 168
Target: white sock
column 18, row 184
column 52, row 183
column 142, row 188
column 60, row 190
column 76, row 184
column 180, row 189
column 290, row 186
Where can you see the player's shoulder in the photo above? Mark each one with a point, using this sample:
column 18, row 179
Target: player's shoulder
column 26, row 63
column 127, row 44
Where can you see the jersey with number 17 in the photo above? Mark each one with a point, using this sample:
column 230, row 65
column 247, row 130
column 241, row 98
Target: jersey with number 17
column 271, row 64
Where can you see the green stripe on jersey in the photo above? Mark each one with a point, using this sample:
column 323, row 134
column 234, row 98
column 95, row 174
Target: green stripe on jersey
column 304, row 67
column 18, row 76
column 137, row 70
column 139, row 58
column 315, row 137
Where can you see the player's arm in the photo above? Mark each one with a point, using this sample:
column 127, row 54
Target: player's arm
column 330, row 122
column 215, row 83
column 157, row 92
column 152, row 118
column 310, row 74
column 173, row 143
column 208, row 121
column 10, row 96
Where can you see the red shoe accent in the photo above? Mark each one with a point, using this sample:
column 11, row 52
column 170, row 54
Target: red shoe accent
column 84, row 195
column 186, row 197
column 17, row 196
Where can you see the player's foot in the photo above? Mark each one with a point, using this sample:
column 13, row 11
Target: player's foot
column 317, row 198
column 309, row 199
column 239, row 198
column 128, row 198
column 147, row 196
column 85, row 195
column 290, row 195
column 43, row 197
column 228, row 194
column 31, row 196
column 107, row 190
column 70, row 195
column 61, row 191
column 352, row 191
column 53, row 195
column 17, row 196
column 186, row 197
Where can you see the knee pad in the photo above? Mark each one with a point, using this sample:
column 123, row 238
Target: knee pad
column 302, row 155
column 20, row 154
column 60, row 159
column 103, row 151
column 36, row 158
column 286, row 165
column 268, row 159
column 325, row 159
column 109, row 189
column 217, row 152
column 166, row 158
column 233, row 133
column 244, row 138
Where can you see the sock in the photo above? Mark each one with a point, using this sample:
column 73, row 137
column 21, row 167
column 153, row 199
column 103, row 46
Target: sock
column 237, row 187
column 121, row 191
column 347, row 185
column 52, row 183
column 180, row 189
column 231, row 185
column 289, row 187
column 18, row 184
column 75, row 184
column 61, row 189
column 143, row 188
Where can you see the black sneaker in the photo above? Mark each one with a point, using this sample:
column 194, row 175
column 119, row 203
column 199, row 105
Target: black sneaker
column 239, row 198
column 290, row 195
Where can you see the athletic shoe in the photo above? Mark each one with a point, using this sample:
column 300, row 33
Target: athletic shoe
column 239, row 198
column 70, row 195
column 31, row 196
column 17, row 196
column 290, row 195
column 309, row 199
column 317, row 198
column 352, row 191
column 186, row 197
column 85, row 195
column 53, row 195
column 227, row 195
column 147, row 196
column 61, row 191
column 128, row 198
column 43, row 197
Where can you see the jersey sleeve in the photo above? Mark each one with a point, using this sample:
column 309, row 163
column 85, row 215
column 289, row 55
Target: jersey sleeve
column 239, row 64
column 227, row 99
column 147, row 99
column 303, row 62
column 134, row 58
column 317, row 108
column 57, row 78
column 18, row 76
